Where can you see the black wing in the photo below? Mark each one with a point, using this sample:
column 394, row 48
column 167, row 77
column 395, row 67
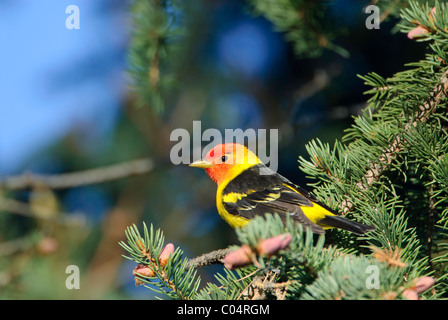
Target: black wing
column 255, row 192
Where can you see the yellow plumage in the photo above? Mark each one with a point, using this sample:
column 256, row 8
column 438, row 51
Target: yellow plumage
column 246, row 188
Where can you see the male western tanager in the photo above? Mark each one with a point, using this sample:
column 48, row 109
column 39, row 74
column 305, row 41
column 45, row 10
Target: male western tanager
column 246, row 188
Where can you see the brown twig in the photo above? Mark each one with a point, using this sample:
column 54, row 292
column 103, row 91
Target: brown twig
column 431, row 221
column 209, row 258
column 24, row 209
column 80, row 178
column 13, row 246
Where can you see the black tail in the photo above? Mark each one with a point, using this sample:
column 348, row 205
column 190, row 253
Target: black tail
column 349, row 225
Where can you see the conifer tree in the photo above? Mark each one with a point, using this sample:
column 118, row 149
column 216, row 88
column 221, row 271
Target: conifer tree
column 389, row 170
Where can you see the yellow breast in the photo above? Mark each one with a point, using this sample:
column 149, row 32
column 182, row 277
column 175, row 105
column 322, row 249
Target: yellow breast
column 233, row 220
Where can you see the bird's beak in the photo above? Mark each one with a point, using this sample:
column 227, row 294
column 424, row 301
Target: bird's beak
column 201, row 164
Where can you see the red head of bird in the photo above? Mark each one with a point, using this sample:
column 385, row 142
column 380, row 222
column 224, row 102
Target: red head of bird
column 226, row 161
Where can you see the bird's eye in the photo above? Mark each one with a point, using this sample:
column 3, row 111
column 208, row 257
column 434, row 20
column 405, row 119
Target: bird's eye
column 224, row 158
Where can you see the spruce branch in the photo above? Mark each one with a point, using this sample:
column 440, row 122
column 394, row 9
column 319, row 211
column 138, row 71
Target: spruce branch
column 159, row 267
column 375, row 169
column 390, row 168
column 309, row 25
column 303, row 269
column 156, row 36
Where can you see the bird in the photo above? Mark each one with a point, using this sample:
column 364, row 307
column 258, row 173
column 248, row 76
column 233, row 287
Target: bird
column 247, row 188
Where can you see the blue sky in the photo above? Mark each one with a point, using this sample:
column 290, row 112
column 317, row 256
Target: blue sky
column 50, row 77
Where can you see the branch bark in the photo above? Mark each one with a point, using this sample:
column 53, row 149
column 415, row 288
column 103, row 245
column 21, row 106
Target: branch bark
column 208, row 258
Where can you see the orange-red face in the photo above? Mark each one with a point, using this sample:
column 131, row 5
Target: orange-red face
column 224, row 160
